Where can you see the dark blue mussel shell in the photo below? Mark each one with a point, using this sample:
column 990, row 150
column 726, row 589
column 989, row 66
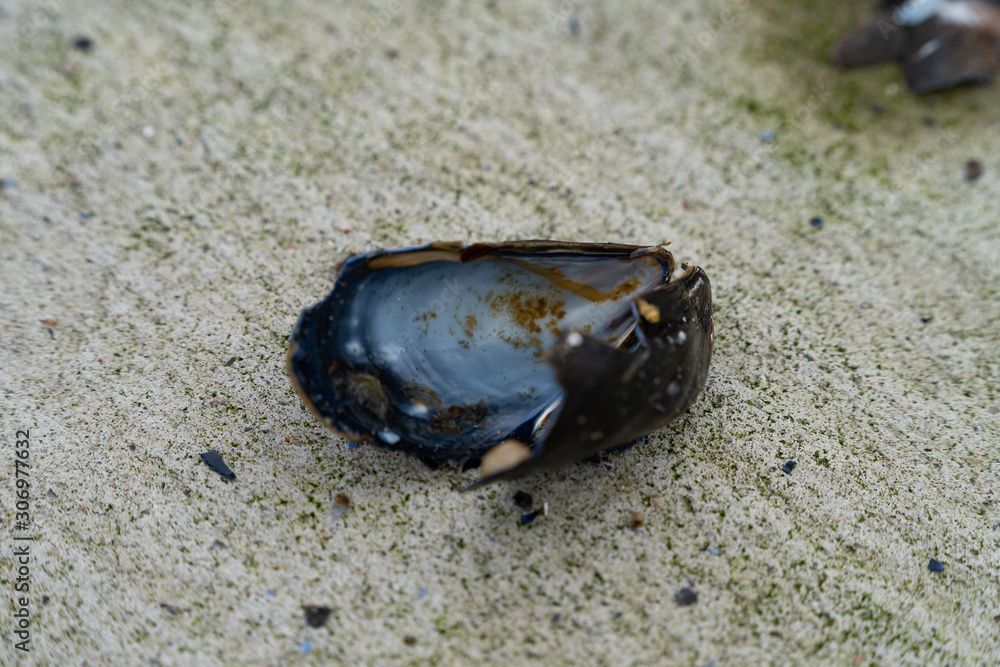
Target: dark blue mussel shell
column 529, row 354
column 940, row 43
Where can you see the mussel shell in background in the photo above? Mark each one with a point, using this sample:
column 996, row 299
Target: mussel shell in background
column 940, row 43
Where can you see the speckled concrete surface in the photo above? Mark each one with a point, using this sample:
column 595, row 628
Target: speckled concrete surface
column 176, row 195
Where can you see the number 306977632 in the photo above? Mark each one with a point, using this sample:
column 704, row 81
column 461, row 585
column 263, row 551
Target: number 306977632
column 21, row 468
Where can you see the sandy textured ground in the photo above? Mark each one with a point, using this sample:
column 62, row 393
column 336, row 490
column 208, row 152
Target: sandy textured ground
column 175, row 196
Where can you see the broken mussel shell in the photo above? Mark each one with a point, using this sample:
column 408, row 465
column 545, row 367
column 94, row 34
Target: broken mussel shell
column 940, row 43
column 528, row 354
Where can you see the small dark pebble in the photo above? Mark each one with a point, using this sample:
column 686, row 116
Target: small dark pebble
column 316, row 616
column 574, row 27
column 172, row 610
column 557, row 618
column 410, row 640
column 875, row 108
column 433, row 464
column 816, row 222
column 789, row 467
column 528, row 517
column 973, row 170
column 686, row 597
column 523, row 500
column 83, row 43
column 132, row 447
column 925, row 320
column 480, row 496
column 232, row 360
column 216, row 463
column 471, row 463
column 618, row 614
column 935, row 565
column 51, row 493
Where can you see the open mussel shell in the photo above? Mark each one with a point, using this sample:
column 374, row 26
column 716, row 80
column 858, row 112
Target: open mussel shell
column 529, row 354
